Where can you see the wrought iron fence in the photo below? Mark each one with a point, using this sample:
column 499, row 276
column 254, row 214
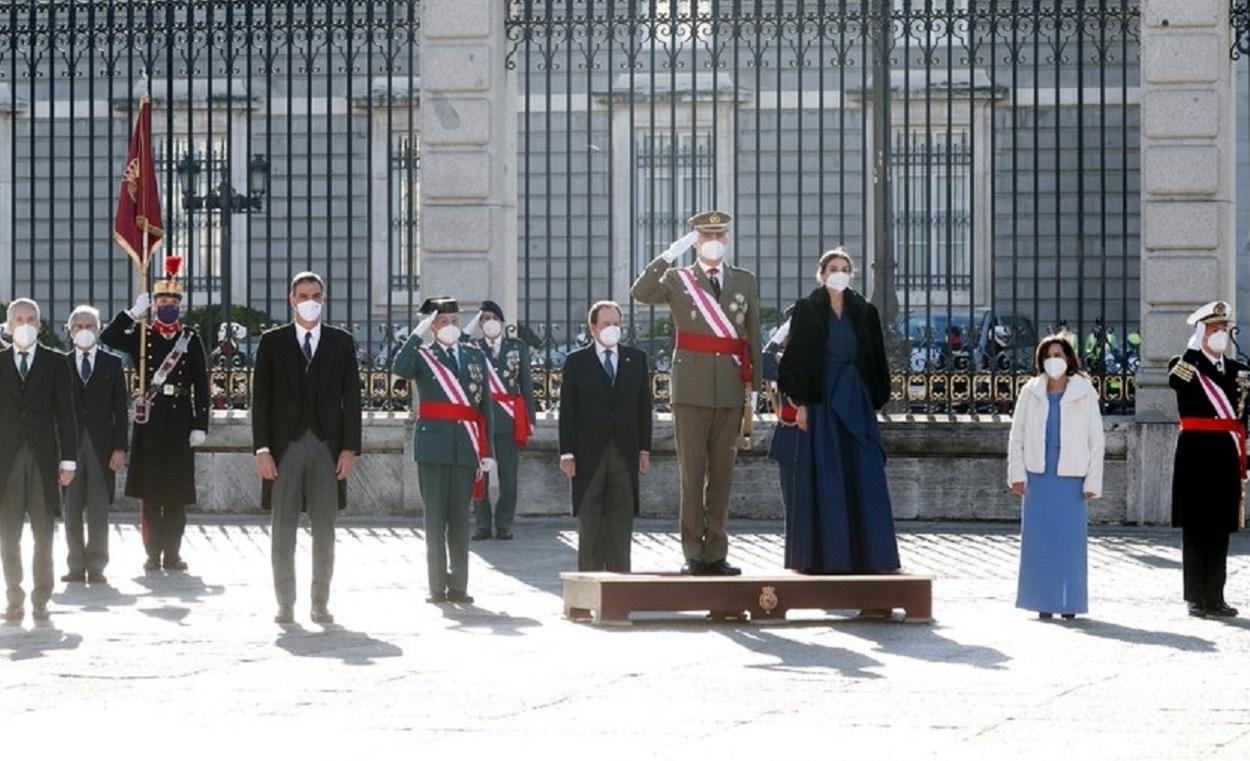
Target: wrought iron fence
column 286, row 135
column 979, row 158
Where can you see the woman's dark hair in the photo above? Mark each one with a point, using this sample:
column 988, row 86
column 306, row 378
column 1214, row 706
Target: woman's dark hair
column 1069, row 353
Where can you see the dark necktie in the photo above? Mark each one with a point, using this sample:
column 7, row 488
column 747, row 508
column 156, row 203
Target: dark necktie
column 308, row 354
column 608, row 366
column 86, row 368
column 24, row 366
column 712, row 275
column 451, row 360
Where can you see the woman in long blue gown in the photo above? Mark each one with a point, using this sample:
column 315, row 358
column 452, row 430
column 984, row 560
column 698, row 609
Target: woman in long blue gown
column 1055, row 462
column 835, row 366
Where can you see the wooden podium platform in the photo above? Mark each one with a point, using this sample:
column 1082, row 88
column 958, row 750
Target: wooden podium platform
column 610, row 598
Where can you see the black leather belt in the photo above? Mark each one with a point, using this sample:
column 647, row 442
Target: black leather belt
column 174, row 391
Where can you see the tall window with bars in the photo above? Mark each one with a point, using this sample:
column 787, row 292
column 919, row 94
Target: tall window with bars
column 194, row 235
column 673, row 174
column 405, row 183
column 932, row 173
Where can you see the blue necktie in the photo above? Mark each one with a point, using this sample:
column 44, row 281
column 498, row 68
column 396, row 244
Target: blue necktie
column 24, row 367
column 86, row 368
column 308, row 354
column 608, row 367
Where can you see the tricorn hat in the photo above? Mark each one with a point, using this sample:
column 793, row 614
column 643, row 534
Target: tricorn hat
column 444, row 304
column 170, row 286
column 711, row 222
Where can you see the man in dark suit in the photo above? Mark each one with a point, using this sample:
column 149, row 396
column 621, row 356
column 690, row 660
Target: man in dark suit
column 605, row 439
column 306, row 430
column 100, row 403
column 38, row 443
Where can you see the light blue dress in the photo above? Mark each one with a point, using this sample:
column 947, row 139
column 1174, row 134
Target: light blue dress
column 1053, row 532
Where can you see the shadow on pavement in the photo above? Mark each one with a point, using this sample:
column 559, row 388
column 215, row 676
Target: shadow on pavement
column 171, row 613
column 184, row 586
column 799, row 656
column 334, row 641
column 93, row 598
column 1154, row 561
column 923, row 642
column 25, row 644
column 474, row 620
column 1134, row 636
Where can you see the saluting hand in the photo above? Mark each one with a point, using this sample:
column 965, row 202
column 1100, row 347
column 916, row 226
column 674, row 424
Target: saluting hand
column 117, row 460
column 346, row 464
column 265, row 466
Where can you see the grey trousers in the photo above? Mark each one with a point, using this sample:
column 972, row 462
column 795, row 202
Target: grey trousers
column 504, row 449
column 605, row 516
column 87, row 496
column 305, row 479
column 446, row 491
column 24, row 495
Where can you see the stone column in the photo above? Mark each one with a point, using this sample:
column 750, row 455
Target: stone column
column 468, row 154
column 1188, row 150
column 8, row 110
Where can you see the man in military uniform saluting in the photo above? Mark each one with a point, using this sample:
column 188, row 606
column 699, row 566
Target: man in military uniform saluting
column 161, row 474
column 451, row 441
column 1210, row 457
column 512, row 389
column 716, row 370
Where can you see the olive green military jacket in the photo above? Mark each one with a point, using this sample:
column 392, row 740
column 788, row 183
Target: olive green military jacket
column 446, row 442
column 699, row 378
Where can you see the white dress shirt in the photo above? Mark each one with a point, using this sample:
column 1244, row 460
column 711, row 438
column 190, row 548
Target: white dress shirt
column 78, row 356
column 1217, row 361
column 301, row 331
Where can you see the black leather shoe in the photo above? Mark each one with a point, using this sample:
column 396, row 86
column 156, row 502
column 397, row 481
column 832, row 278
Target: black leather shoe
column 462, row 598
column 40, row 613
column 503, row 534
column 1045, row 616
column 1197, row 611
column 95, row 577
column 152, row 564
column 74, row 577
column 286, row 615
column 1068, row 616
column 481, row 534
column 720, row 568
column 14, row 614
column 1223, row 610
column 692, row 568
column 437, row 598
column 175, row 564
column 321, row 615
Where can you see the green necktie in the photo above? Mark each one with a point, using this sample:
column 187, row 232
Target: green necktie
column 24, row 366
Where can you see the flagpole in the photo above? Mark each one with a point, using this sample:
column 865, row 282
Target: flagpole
column 143, row 322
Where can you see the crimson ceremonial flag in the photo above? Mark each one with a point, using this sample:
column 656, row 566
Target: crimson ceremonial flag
column 138, row 200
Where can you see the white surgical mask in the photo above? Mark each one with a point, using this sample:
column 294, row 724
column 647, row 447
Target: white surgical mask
column 1055, row 367
column 712, row 250
column 1218, row 341
column 309, row 311
column 448, row 335
column 84, row 339
column 610, row 336
column 492, row 328
column 24, row 336
column 838, row 281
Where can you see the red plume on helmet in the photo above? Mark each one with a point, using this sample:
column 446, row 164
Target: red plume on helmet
column 173, row 265
column 170, row 285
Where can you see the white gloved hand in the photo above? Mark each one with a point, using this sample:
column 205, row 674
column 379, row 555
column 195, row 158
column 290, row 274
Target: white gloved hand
column 680, row 247
column 488, row 464
column 142, row 302
column 755, row 401
column 473, row 329
column 782, row 333
column 423, row 327
column 197, row 438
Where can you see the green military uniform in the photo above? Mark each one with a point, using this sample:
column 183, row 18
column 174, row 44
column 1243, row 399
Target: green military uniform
column 511, row 360
column 707, row 390
column 447, row 463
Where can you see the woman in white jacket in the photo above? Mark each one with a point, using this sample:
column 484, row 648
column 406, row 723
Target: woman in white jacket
column 1054, row 461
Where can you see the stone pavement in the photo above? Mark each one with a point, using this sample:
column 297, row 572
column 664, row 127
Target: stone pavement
column 191, row 666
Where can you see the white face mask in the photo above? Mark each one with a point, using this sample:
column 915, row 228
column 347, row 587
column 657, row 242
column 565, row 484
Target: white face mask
column 84, row 339
column 448, row 335
column 309, row 311
column 24, row 336
column 610, row 336
column 712, row 250
column 838, row 281
column 1055, row 367
column 492, row 328
column 1218, row 341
